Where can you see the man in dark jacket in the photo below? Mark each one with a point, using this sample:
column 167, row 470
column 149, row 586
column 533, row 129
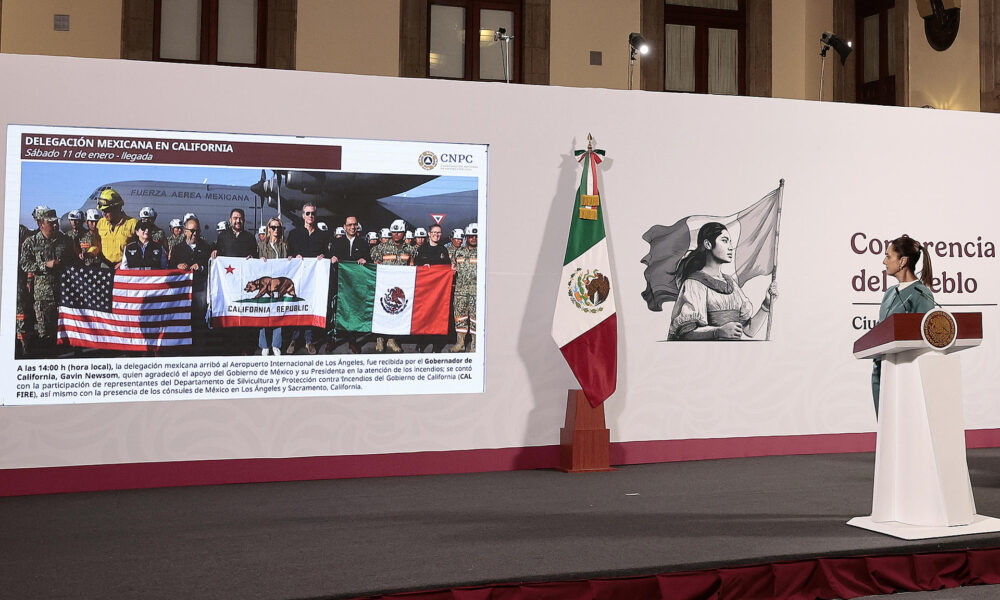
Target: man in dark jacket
column 236, row 241
column 350, row 248
column 307, row 241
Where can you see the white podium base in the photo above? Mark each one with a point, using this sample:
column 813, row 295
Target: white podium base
column 980, row 524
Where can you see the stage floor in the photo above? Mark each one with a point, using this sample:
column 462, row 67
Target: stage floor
column 353, row 537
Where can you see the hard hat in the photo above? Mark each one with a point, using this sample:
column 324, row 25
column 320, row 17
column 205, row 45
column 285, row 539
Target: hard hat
column 75, row 215
column 109, row 198
column 456, row 234
column 384, row 233
column 420, row 232
column 262, row 230
column 322, row 226
column 188, row 216
column 147, row 212
column 472, row 229
column 360, row 229
column 93, row 214
column 397, row 226
column 221, row 226
column 372, row 236
column 175, row 223
column 409, row 235
column 340, row 231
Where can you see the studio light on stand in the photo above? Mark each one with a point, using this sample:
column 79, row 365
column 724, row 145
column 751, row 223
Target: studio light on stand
column 504, row 38
column 843, row 48
column 636, row 43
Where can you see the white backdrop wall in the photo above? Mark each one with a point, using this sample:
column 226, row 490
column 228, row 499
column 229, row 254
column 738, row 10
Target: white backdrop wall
column 848, row 169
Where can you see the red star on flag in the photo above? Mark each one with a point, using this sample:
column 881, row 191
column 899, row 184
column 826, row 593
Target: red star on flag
column 230, row 269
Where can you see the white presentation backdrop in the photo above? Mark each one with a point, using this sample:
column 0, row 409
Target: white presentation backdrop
column 853, row 174
column 211, row 174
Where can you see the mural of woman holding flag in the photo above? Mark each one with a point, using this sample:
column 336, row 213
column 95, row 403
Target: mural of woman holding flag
column 703, row 263
column 711, row 305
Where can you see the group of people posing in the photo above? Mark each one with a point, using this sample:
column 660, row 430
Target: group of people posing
column 393, row 248
column 108, row 238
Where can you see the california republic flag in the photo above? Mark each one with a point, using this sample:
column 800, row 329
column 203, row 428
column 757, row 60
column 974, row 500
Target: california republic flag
column 585, row 325
column 251, row 292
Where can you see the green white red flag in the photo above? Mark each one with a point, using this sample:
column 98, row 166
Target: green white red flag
column 585, row 324
column 394, row 299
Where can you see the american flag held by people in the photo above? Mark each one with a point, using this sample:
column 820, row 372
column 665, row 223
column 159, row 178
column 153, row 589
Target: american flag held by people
column 126, row 309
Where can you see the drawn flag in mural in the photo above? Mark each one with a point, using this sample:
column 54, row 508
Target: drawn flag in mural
column 754, row 230
column 250, row 292
column 585, row 324
column 125, row 309
column 394, row 299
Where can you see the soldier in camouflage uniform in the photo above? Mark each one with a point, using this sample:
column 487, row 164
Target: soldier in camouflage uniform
column 46, row 254
column 176, row 234
column 90, row 241
column 25, row 301
column 76, row 225
column 392, row 252
column 465, row 260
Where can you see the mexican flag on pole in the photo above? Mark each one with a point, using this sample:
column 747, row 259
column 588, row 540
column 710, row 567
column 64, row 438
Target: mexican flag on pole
column 394, row 299
column 585, row 325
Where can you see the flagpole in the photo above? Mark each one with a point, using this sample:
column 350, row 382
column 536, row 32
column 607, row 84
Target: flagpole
column 777, row 233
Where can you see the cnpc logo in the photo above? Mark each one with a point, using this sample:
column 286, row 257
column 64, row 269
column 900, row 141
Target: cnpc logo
column 458, row 159
column 428, row 160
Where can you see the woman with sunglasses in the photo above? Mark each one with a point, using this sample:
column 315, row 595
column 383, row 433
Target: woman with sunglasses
column 272, row 246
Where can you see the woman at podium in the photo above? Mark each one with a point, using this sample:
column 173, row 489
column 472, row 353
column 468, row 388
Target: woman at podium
column 910, row 295
column 711, row 305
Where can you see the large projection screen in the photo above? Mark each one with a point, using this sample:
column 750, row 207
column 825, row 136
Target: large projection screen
column 854, row 176
column 166, row 333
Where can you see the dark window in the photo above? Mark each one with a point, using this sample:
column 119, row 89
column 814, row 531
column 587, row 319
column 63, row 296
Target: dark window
column 704, row 46
column 876, row 51
column 217, row 32
column 461, row 42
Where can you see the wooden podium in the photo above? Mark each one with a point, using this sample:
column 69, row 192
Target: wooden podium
column 585, row 441
column 922, row 487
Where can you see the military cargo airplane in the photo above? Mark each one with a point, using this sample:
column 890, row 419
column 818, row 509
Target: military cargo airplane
column 376, row 199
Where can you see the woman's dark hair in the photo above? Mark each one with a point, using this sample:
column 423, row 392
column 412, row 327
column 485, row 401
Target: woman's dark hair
column 913, row 250
column 695, row 259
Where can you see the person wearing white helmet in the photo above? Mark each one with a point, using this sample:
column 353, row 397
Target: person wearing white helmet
column 456, row 238
column 148, row 215
column 409, row 238
column 90, row 241
column 322, row 226
column 372, row 239
column 262, row 233
column 420, row 237
column 383, row 236
column 392, row 252
column 221, row 226
column 176, row 233
column 76, row 226
column 340, row 232
column 466, row 261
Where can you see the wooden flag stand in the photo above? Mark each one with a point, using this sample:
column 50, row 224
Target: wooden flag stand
column 585, row 441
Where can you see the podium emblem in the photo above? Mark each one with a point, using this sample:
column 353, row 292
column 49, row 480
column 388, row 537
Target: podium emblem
column 938, row 328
